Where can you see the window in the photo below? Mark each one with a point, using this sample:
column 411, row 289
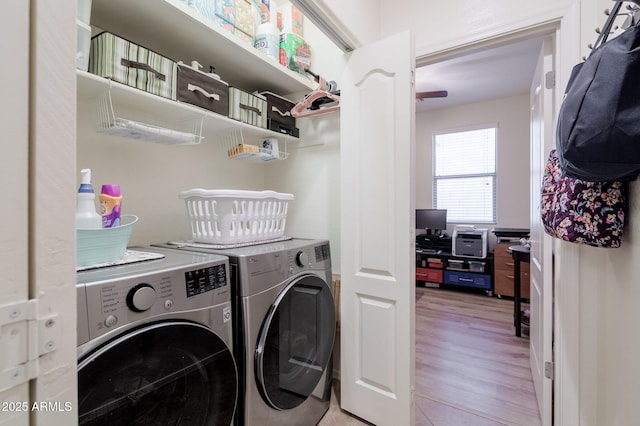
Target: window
column 464, row 175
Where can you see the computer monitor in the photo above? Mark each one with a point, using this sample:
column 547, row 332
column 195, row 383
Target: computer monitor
column 432, row 220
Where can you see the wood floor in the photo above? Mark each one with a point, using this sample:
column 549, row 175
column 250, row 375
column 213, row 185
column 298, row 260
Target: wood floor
column 470, row 367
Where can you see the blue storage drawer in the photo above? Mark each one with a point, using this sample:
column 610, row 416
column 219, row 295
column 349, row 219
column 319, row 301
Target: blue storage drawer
column 467, row 279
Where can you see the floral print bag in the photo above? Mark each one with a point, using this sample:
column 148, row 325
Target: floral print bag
column 577, row 211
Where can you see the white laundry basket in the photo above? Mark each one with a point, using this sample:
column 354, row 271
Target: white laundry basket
column 224, row 216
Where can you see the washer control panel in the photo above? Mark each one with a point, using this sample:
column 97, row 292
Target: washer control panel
column 206, row 279
column 310, row 257
column 114, row 303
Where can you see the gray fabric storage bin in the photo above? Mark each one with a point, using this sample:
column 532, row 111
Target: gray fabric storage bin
column 247, row 107
column 123, row 61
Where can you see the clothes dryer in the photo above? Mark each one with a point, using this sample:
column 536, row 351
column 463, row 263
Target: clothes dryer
column 284, row 329
column 155, row 342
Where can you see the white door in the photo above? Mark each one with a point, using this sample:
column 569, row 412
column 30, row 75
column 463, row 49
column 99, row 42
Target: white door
column 37, row 170
column 377, row 232
column 540, row 335
column 14, row 288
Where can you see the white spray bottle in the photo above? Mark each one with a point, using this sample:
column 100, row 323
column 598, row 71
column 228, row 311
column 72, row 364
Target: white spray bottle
column 86, row 215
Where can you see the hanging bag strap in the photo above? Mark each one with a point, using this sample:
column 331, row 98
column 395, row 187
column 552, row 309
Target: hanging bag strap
column 606, row 29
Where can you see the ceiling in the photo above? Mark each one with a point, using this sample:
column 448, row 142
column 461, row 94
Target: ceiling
column 481, row 75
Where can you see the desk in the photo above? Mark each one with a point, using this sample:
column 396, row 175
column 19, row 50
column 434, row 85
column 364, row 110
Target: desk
column 520, row 254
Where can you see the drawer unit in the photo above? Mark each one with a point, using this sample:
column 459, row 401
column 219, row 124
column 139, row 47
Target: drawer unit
column 504, row 272
column 120, row 60
column 247, row 107
column 279, row 114
column 197, row 88
column 467, row 279
column 430, row 275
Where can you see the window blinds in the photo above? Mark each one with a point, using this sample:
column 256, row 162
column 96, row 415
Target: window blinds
column 464, row 175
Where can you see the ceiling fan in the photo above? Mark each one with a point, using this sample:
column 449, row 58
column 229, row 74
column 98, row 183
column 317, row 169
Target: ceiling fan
column 433, row 94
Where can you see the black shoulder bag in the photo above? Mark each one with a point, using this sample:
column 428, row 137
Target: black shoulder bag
column 598, row 133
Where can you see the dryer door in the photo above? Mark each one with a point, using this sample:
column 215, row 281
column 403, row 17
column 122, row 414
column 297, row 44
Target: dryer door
column 164, row 373
column 295, row 343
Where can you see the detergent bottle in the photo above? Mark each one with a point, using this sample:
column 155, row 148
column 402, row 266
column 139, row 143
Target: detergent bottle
column 86, row 215
column 110, row 205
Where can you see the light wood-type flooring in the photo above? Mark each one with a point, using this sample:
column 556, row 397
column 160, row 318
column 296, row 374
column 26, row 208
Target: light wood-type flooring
column 470, row 367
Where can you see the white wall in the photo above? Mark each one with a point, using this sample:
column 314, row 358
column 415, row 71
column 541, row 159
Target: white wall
column 312, row 173
column 512, row 117
column 441, row 24
column 357, row 21
column 150, row 176
column 617, row 293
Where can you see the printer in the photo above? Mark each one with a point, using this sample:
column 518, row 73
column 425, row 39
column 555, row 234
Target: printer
column 469, row 241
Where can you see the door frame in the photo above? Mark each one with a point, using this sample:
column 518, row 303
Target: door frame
column 563, row 24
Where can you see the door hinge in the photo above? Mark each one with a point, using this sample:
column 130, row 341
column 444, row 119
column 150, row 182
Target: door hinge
column 24, row 338
column 548, row 370
column 550, row 80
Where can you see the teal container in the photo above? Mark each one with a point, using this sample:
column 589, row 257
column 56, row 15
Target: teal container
column 103, row 245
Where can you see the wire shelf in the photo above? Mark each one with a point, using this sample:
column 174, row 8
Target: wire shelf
column 186, row 132
column 268, row 149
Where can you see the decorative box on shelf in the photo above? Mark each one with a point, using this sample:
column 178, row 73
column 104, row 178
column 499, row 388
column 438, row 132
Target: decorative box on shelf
column 123, row 61
column 203, row 90
column 279, row 114
column 249, row 108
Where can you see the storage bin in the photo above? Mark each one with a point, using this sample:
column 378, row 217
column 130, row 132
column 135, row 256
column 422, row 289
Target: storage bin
column 197, row 88
column 249, row 108
column 430, row 275
column 279, row 118
column 457, row 264
column 83, row 45
column 476, row 266
column 233, row 216
column 125, row 62
column 467, row 279
column 103, row 245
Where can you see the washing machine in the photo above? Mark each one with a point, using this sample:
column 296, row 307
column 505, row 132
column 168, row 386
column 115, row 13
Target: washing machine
column 155, row 342
column 284, row 329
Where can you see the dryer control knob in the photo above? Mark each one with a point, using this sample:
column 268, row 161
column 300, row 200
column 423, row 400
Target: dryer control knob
column 141, row 297
column 302, row 259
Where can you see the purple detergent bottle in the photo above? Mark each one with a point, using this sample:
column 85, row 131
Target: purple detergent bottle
column 110, row 205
